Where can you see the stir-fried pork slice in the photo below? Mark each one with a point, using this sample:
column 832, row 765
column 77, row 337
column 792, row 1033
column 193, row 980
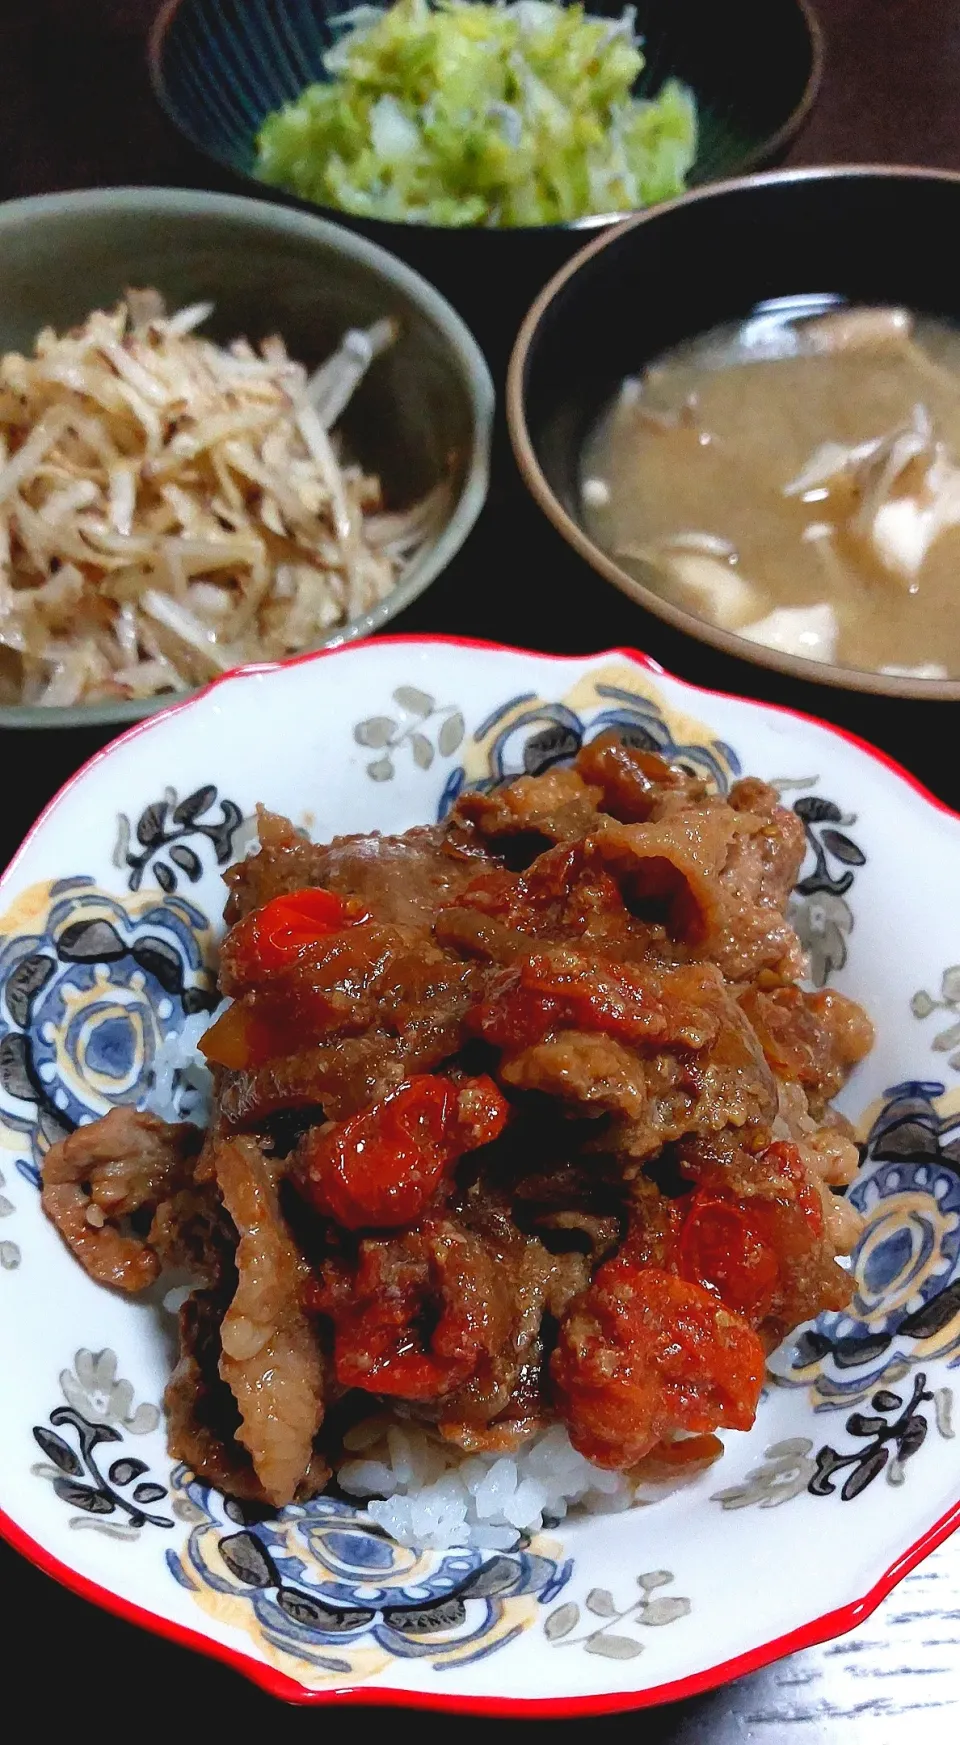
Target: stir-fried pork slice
column 595, row 1073
column 563, row 897
column 402, row 879
column 202, row 1416
column 127, row 1162
column 761, row 869
column 532, row 1283
column 339, row 1078
column 636, row 786
column 704, row 872
column 271, row 1359
column 813, row 1039
column 191, row 1232
column 557, row 806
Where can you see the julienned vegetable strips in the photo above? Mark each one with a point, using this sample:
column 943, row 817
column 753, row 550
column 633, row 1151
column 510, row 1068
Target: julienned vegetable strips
column 466, row 114
column 171, row 508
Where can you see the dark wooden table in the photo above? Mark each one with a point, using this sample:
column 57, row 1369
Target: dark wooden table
column 76, row 111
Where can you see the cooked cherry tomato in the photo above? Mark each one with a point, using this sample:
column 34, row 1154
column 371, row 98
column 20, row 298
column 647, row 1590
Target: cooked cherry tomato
column 720, row 1248
column 565, row 991
column 415, row 1314
column 265, row 943
column 642, row 1354
column 381, row 1168
column 283, row 931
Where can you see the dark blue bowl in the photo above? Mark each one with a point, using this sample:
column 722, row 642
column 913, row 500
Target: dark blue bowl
column 219, row 67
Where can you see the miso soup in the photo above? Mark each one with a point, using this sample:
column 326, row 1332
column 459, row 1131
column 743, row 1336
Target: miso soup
column 796, row 480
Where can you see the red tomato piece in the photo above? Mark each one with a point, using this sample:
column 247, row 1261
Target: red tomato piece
column 721, row 1249
column 283, row 931
column 643, row 1354
column 565, row 991
column 415, row 1315
column 381, row 1168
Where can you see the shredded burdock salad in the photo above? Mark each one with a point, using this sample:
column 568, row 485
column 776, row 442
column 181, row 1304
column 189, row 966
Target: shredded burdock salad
column 171, row 508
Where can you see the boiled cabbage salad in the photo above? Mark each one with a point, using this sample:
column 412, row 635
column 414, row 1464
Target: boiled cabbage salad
column 458, row 113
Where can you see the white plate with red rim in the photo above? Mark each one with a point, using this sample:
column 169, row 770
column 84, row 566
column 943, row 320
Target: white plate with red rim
column 108, row 921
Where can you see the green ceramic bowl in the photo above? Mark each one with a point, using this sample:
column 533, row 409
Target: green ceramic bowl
column 268, row 269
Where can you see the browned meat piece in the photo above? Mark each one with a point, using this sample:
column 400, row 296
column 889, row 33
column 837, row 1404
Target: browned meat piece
column 191, row 1233
column 636, row 785
column 563, row 897
column 271, row 1359
column 572, row 1207
column 470, row 932
column 531, row 1282
column 765, row 866
column 831, row 1158
column 666, row 1083
column 202, row 1416
column 555, row 807
column 562, row 988
column 726, row 1084
column 127, row 1162
column 418, row 1313
column 762, row 867
column 339, row 1078
column 715, row 875
column 366, row 978
column 831, row 1142
column 403, row 879
column 284, row 863
column 595, row 1072
column 671, row 869
column 494, row 1418
column 525, row 1412
column 815, row 1039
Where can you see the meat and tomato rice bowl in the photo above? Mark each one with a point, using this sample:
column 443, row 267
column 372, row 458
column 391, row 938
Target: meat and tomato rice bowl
column 520, row 1159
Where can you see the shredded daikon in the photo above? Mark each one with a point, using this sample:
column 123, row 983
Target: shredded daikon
column 170, row 507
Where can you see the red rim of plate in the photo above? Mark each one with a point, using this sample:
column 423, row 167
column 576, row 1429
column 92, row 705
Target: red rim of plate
column 830, row 1624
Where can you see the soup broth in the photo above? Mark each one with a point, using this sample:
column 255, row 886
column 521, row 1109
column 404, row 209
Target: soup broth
column 796, row 479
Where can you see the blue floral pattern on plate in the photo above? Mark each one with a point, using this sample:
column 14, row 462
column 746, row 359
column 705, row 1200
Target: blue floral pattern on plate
column 319, row 1584
column 906, row 1310
column 527, row 735
column 89, row 988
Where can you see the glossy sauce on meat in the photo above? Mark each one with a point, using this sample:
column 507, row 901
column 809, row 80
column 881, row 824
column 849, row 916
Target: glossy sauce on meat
column 520, row 1117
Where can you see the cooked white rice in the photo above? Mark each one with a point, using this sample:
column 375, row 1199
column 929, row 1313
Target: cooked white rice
column 422, row 1491
column 182, row 1083
column 426, row 1493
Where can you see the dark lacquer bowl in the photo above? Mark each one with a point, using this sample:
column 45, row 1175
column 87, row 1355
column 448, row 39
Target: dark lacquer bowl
column 866, row 233
column 219, row 67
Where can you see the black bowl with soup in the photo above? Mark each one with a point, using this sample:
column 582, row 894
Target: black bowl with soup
column 744, row 410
